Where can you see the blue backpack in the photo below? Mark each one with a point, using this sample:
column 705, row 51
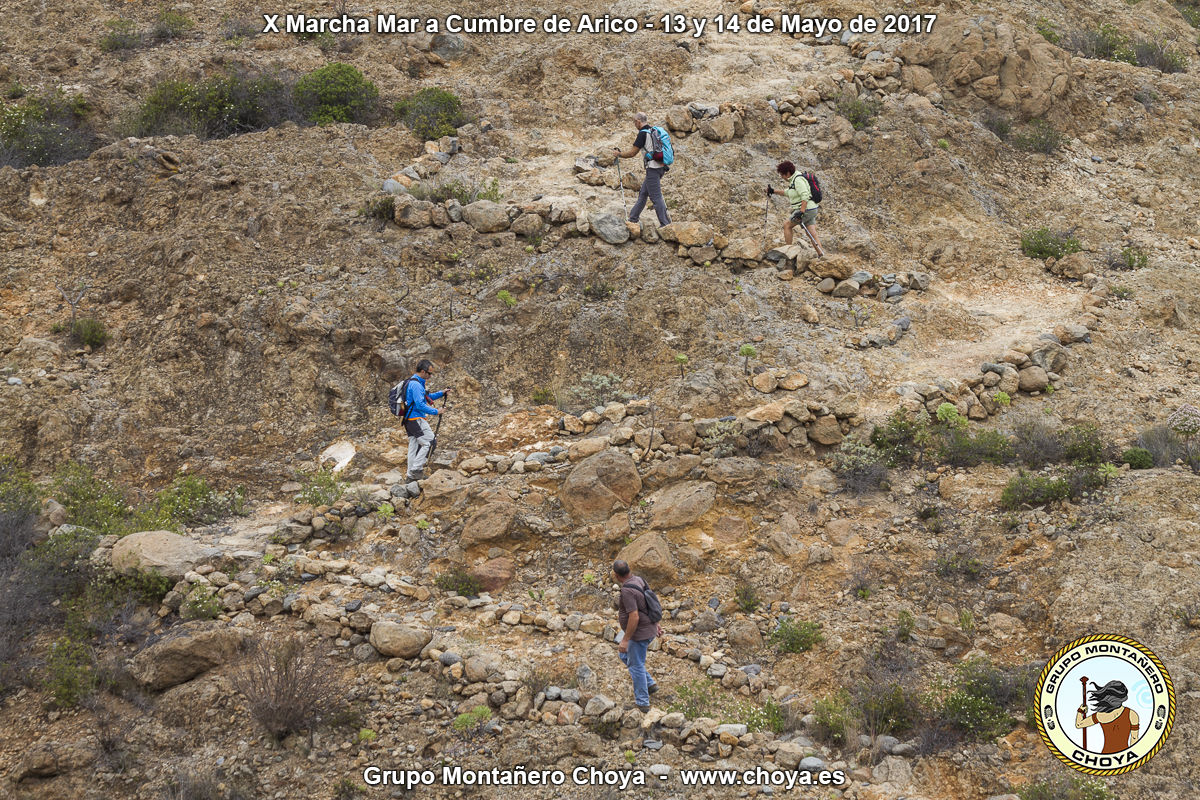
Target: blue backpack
column 661, row 149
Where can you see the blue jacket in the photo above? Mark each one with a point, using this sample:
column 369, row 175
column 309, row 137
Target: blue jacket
column 418, row 399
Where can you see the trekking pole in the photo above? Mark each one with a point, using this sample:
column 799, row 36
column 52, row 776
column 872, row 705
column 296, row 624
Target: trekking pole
column 766, row 215
column 621, row 188
column 436, row 428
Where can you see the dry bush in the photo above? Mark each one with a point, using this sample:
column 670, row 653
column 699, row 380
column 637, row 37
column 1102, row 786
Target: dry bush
column 288, row 687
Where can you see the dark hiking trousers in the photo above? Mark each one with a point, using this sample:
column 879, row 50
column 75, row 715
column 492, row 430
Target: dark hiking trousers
column 651, row 190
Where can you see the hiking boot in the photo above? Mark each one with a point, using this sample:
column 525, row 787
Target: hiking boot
column 653, row 688
column 419, row 475
column 643, row 709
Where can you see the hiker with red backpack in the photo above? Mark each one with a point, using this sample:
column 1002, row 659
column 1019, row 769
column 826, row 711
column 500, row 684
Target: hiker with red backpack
column 655, row 143
column 410, row 401
column 804, row 192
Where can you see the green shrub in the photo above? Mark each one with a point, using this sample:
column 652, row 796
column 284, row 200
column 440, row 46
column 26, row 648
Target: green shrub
column 886, row 709
column 1002, row 399
column 976, row 717
column 905, row 623
column 859, row 466
column 1036, row 442
column 897, row 440
column 321, row 488
column 747, row 597
column 505, row 297
column 90, row 332
column 599, row 290
column 431, row 113
column 1039, row 136
column 1043, row 243
column 544, row 396
column 1048, row 30
column 171, row 25
column 1107, row 42
column 975, row 702
column 836, row 721
column 1132, row 257
column 1033, row 490
column 599, row 390
column 382, row 208
column 70, row 671
column 722, row 437
column 45, row 130
column 792, row 637
column 441, row 191
column 200, row 603
column 1122, row 292
column 1160, row 56
column 189, row 500
column 959, row 564
column 1189, row 12
column 1083, row 444
column 1138, row 458
column 1066, row 787
column 122, row 35
column 219, row 106
column 961, row 449
column 474, row 718
column 92, row 502
column 459, row 581
column 336, row 93
column 695, row 699
column 859, row 111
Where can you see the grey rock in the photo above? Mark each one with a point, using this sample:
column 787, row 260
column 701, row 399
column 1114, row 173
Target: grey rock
column 609, row 227
column 812, row 764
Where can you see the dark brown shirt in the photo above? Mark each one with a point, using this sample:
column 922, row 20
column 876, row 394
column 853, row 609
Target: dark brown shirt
column 633, row 600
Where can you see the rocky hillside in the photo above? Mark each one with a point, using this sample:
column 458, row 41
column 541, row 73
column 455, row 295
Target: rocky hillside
column 1012, row 239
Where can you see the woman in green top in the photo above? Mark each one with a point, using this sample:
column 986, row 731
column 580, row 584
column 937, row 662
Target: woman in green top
column 804, row 208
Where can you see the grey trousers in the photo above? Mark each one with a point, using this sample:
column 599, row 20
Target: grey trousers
column 652, row 191
column 419, row 446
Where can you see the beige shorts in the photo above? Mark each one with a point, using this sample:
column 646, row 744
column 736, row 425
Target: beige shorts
column 807, row 217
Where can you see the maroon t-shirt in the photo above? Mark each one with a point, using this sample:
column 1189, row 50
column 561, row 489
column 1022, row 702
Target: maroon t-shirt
column 633, row 600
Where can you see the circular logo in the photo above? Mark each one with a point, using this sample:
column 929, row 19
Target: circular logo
column 1105, row 704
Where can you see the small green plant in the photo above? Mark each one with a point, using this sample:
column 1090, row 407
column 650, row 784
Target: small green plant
column 1002, row 399
column 122, row 35
column 589, row 577
column 543, row 396
column 70, row 671
column 1083, row 444
column 747, row 352
column 385, row 511
column 1138, row 458
column 747, row 597
column 223, row 105
column 382, row 208
column 1066, row 787
column 1108, row 471
column 189, row 500
column 948, row 415
column 336, row 92
column 860, row 467
column 321, row 487
column 966, row 621
column 471, row 720
column 15, row 91
column 171, row 25
column 681, row 360
column 957, row 564
column 90, row 332
column 366, row 736
column 835, row 717
column 722, row 436
column 600, row 290
column 431, row 113
column 490, row 190
column 1131, row 257
column 423, row 524
column 46, row 129
column 858, row 111
column 459, row 581
column 905, row 623
column 200, row 603
column 1044, row 243
column 1025, row 490
column 1039, row 136
column 1048, row 30
column 1122, row 292
column 599, row 390
column 630, row 757
column 943, row 144
column 506, row 298
column 792, row 637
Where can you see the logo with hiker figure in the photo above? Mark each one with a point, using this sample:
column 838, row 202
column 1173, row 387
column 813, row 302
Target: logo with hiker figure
column 1105, row 704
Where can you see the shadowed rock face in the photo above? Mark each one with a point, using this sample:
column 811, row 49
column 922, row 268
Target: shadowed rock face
column 602, row 483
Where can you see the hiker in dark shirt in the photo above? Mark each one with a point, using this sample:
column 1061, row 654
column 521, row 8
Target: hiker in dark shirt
column 637, row 633
column 652, row 184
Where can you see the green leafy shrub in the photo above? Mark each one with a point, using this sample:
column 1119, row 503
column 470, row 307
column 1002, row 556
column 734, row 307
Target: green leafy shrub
column 599, row 390
column 90, row 332
column 1002, row 399
column 1036, row 442
column 1066, row 787
column 474, row 718
column 859, row 466
column 1048, row 30
column 1084, row 444
column 442, row 190
column 975, row 702
column 200, row 603
column 171, row 25
column 382, row 208
column 1159, row 55
column 836, row 720
column 857, row 110
column 431, row 113
column 189, row 500
column 1039, row 136
column 905, row 624
column 1033, row 490
column 92, row 502
column 959, row 564
column 722, row 437
column 599, row 290
column 1163, row 445
column 70, row 671
column 792, row 637
column 505, row 297
column 459, row 581
column 336, row 93
column 961, row 449
column 236, row 102
column 1107, row 42
column 1128, row 258
column 1138, row 458
column 122, row 35
column 543, row 396
column 898, row 439
column 1043, row 243
column 45, row 130
column 747, row 597
column 321, row 487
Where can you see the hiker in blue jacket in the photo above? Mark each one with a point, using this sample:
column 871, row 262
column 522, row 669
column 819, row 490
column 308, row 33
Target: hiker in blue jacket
column 652, row 184
column 420, row 435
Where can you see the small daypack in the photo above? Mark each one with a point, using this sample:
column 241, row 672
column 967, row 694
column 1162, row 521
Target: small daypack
column 661, row 149
column 653, row 605
column 398, row 399
column 814, row 186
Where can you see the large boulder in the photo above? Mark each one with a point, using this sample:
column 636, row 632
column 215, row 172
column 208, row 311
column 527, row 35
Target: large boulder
column 609, row 227
column 825, row 430
column 743, row 249
column 603, row 483
column 189, row 650
column 735, row 470
column 494, row 574
column 682, row 504
column 650, row 556
column 688, row 234
column 744, row 635
column 493, row 521
column 162, row 552
column 722, row 129
column 486, row 216
column 398, row 641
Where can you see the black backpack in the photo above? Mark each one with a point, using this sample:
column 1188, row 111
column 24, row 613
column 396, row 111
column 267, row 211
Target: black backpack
column 814, row 186
column 398, row 399
column 653, row 606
